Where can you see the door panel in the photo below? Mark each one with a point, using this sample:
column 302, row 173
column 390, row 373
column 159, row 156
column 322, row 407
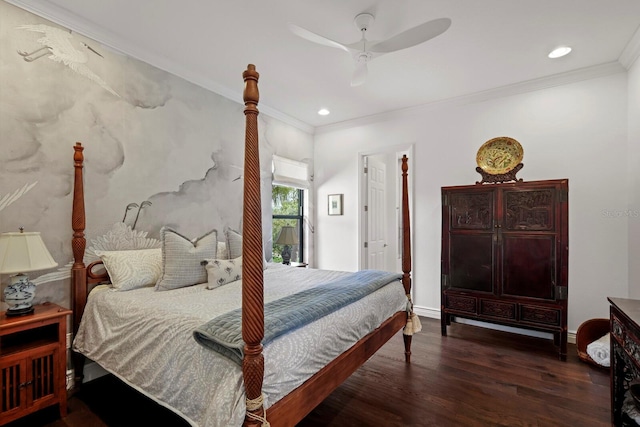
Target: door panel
column 530, row 210
column 472, row 210
column 376, row 225
column 529, row 266
column 471, row 262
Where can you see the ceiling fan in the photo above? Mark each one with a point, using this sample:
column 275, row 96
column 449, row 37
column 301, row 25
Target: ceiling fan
column 365, row 51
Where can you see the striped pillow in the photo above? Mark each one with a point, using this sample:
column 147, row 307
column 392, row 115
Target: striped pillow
column 234, row 245
column 182, row 258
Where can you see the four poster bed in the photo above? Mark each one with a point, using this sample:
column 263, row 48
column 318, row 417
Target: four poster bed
column 163, row 344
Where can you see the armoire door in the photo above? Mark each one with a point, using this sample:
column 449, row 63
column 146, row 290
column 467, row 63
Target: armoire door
column 529, row 240
column 470, row 218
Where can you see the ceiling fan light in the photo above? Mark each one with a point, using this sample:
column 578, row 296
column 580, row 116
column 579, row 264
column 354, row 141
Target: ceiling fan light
column 559, row 52
column 323, row 112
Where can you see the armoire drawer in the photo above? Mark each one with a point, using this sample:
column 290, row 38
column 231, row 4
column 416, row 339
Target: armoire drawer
column 499, row 309
column 461, row 303
column 540, row 315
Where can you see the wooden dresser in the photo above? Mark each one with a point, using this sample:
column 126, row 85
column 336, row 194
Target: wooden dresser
column 625, row 359
column 505, row 253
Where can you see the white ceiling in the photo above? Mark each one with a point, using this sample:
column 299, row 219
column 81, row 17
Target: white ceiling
column 490, row 44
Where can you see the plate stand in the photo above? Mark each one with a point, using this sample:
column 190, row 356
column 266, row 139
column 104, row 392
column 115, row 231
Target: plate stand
column 502, row 177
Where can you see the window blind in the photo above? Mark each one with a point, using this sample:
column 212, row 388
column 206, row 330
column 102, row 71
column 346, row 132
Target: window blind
column 290, row 173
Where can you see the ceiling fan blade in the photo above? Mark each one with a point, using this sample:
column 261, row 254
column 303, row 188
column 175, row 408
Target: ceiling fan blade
column 316, row 38
column 413, row 36
column 359, row 74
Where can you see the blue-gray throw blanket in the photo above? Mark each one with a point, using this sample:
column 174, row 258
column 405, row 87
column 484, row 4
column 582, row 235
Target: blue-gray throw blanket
column 224, row 333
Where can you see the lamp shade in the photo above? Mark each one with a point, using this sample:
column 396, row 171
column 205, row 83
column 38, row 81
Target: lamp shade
column 287, row 236
column 22, row 252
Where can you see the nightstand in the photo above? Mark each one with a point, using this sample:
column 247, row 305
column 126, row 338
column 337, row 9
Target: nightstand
column 298, row 264
column 33, row 361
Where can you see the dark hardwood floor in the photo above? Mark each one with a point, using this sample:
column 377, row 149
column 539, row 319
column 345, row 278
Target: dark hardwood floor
column 472, row 377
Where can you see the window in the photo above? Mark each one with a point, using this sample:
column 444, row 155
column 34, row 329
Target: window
column 288, row 207
column 290, row 180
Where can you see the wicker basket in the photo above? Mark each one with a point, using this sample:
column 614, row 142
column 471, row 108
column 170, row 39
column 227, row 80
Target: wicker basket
column 588, row 332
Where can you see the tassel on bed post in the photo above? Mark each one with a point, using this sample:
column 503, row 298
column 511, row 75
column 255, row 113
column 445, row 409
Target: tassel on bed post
column 406, row 260
column 413, row 321
column 252, row 275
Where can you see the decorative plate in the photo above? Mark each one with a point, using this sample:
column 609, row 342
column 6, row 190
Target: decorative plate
column 499, row 155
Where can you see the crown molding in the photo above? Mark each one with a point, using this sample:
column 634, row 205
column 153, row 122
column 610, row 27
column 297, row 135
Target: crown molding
column 574, row 76
column 118, row 44
column 631, row 51
column 96, row 32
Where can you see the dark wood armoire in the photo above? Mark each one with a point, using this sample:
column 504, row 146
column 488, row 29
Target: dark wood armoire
column 505, row 253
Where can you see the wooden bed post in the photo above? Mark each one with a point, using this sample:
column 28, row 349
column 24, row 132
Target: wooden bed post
column 78, row 244
column 406, row 252
column 252, row 259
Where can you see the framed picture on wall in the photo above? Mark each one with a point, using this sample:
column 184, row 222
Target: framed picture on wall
column 335, row 204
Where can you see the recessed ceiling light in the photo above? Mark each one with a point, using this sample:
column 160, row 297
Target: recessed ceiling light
column 323, row 112
column 559, row 51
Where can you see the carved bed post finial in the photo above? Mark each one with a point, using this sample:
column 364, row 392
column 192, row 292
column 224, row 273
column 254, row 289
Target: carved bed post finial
column 252, row 259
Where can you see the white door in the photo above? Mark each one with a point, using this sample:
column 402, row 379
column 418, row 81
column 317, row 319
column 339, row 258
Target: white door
column 376, row 225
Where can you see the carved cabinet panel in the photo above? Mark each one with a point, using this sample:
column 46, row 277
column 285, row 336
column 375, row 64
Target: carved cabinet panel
column 624, row 323
column 505, row 254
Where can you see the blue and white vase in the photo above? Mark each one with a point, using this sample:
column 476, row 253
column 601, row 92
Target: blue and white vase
column 19, row 294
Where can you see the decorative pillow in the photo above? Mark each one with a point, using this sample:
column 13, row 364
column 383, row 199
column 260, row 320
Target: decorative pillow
column 234, row 242
column 234, row 245
column 182, row 258
column 222, row 253
column 223, row 271
column 132, row 269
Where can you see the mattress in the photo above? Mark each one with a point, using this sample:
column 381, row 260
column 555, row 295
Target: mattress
column 145, row 337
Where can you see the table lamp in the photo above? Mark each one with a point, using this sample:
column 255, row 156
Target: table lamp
column 19, row 253
column 287, row 237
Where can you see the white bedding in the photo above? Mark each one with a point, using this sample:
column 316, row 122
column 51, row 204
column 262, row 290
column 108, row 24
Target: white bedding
column 145, row 337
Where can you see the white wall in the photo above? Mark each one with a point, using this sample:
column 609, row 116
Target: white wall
column 576, row 131
column 634, row 174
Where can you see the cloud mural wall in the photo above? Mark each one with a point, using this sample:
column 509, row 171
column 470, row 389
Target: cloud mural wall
column 148, row 136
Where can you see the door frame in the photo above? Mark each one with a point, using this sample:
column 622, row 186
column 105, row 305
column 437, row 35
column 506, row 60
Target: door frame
column 393, row 171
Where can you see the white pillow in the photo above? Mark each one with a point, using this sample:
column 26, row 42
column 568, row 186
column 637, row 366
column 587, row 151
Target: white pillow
column 222, row 252
column 223, row 271
column 182, row 259
column 132, row 269
column 234, row 245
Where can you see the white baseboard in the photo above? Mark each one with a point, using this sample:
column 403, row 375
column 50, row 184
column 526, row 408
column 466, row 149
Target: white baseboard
column 434, row 313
